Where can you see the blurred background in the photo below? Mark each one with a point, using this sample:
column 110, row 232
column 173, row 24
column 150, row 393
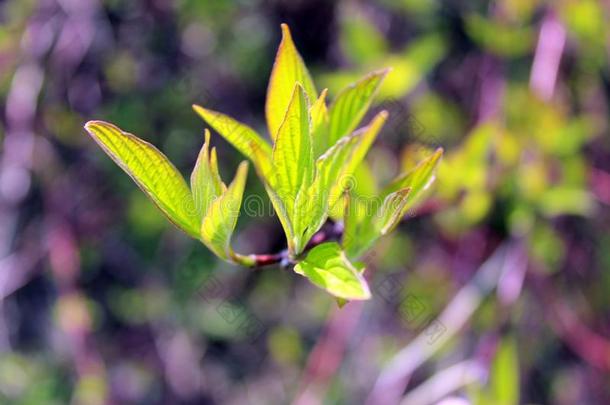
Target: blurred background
column 495, row 291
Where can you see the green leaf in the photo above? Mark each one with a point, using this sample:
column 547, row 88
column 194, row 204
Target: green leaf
column 418, row 179
column 319, row 123
column 220, row 220
column 365, row 138
column 359, row 231
column 206, row 184
column 310, row 213
column 241, row 136
column 351, row 104
column 152, row 172
column 327, row 267
column 366, row 221
column 392, row 211
column 292, row 159
column 278, row 204
column 288, row 69
column 504, row 378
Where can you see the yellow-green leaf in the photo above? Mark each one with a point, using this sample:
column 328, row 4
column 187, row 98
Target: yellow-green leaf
column 310, row 213
column 241, row 136
column 152, row 172
column 206, row 184
column 359, row 231
column 292, row 157
column 288, row 69
column 319, row 123
column 418, row 179
column 392, row 210
column 219, row 221
column 351, row 104
column 327, row 267
column 365, row 138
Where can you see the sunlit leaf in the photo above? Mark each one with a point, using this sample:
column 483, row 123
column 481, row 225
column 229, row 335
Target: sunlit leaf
column 319, row 123
column 241, row 136
column 288, row 69
column 365, row 138
column 392, row 210
column 366, row 220
column 327, row 267
column 418, row 179
column 292, row 156
column 206, row 184
column 220, row 220
column 151, row 171
column 311, row 212
column 360, row 230
column 351, row 104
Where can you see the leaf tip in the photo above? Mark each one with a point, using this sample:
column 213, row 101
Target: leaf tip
column 285, row 31
column 90, row 125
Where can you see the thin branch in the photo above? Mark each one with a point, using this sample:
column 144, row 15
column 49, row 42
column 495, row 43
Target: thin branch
column 330, row 231
column 446, row 382
column 394, row 378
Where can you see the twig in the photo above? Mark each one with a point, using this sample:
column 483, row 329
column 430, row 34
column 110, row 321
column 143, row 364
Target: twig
column 394, row 378
column 330, row 231
column 445, row 382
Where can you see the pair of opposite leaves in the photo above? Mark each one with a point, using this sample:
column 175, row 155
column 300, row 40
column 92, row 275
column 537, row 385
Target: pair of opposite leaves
column 314, row 148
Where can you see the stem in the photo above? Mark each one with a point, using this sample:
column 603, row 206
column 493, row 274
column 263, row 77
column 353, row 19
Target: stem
column 330, row 231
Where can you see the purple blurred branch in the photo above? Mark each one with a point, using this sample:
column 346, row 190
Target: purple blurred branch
column 545, row 69
column 394, row 378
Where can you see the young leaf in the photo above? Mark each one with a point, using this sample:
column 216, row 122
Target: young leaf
column 359, row 231
column 365, row 138
column 219, row 221
column 392, row 210
column 319, row 124
column 351, row 104
column 152, row 172
column 278, row 205
column 288, row 69
column 206, row 184
column 364, row 224
column 241, row 136
column 311, row 212
column 327, row 267
column 418, row 179
column 292, row 156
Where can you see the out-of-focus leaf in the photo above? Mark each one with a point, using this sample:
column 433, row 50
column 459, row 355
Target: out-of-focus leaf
column 241, row 136
column 288, row 69
column 504, row 378
column 206, row 184
column 563, row 200
column 360, row 39
column 327, row 267
column 220, row 219
column 152, row 172
column 351, row 104
column 503, row 40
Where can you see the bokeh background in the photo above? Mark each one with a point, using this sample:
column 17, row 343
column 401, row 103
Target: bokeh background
column 503, row 272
